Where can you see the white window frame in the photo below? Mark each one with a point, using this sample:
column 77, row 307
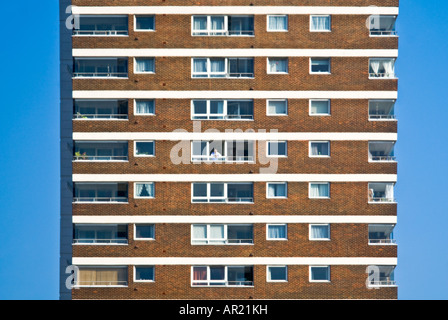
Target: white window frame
column 210, row 241
column 320, row 114
column 144, row 72
column 322, row 73
column 309, row 190
column 276, row 224
column 224, row 197
column 319, row 239
column 278, row 72
column 144, row 30
column 276, row 266
column 224, row 281
column 145, row 156
column 208, row 73
column 276, row 114
column 277, row 15
column 276, row 156
column 144, row 266
column 224, row 112
column 322, row 281
column 135, row 189
column 210, row 32
column 383, row 78
column 144, row 114
column 144, row 224
column 319, row 15
column 319, row 156
column 277, row 197
column 102, row 267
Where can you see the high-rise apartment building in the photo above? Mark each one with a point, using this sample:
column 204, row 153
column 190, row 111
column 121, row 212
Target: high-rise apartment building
column 228, row 149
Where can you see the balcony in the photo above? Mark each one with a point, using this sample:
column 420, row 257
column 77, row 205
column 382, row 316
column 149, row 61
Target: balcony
column 381, row 234
column 222, row 110
column 381, row 193
column 382, row 68
column 100, row 109
column 381, row 276
column 222, row 68
column 222, row 151
column 100, row 193
column 222, row 234
column 100, row 151
column 102, row 26
column 100, row 68
column 223, row 25
column 222, row 192
column 383, row 26
column 100, row 234
column 382, row 110
column 222, row 276
column 381, row 151
column 101, row 276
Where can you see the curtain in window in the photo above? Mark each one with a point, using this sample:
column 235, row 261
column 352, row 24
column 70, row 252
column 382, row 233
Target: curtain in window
column 217, row 65
column 144, row 65
column 319, row 107
column 388, row 66
column 217, row 23
column 200, row 273
column 200, row 65
column 277, row 232
column 319, row 190
column 320, row 23
column 199, row 232
column 314, row 149
column 144, row 107
column 389, row 192
column 375, row 66
column 217, row 233
column 200, row 23
column 271, row 190
column 216, row 107
column 277, row 107
column 277, row 23
column 319, row 232
column 277, row 65
column 144, row 189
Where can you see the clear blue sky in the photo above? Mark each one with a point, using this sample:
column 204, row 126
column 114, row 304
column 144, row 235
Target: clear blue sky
column 29, row 166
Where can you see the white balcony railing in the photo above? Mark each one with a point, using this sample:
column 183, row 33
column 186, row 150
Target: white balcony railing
column 382, row 117
column 100, row 158
column 101, row 241
column 223, row 33
column 100, row 199
column 382, row 241
column 223, row 159
column 382, row 75
column 100, row 74
column 383, row 158
column 383, row 283
column 223, row 200
column 223, row 117
column 383, row 33
column 100, row 283
column 211, row 283
column 223, row 241
column 381, row 200
column 99, row 116
column 100, row 32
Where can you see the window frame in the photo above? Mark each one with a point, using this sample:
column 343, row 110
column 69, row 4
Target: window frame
column 145, row 156
column 277, row 114
column 319, row 239
column 277, row 197
column 226, row 72
column 276, row 30
column 225, row 239
column 277, row 155
column 144, row 114
column 225, row 110
column 144, row 15
column 223, row 281
column 320, row 114
column 309, row 190
column 268, row 279
column 225, row 196
column 144, row 266
column 320, row 15
column 321, row 72
column 144, row 224
column 268, row 59
column 277, row 224
column 319, row 156
column 320, row 266
column 144, row 72
column 140, row 197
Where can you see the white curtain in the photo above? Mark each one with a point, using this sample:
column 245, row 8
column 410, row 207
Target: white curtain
column 199, row 232
column 217, row 65
column 277, row 65
column 319, row 107
column 144, row 107
column 217, row 233
column 271, row 190
column 320, row 23
column 389, row 192
column 319, row 232
column 277, row 232
column 217, row 23
column 388, row 66
column 375, row 66
column 319, row 190
column 200, row 65
column 144, row 189
column 277, row 107
column 277, row 23
column 200, row 23
column 144, row 65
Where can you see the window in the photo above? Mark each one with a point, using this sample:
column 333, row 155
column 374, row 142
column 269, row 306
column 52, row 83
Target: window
column 100, row 109
column 102, row 276
column 238, row 276
column 222, row 109
column 144, row 149
column 144, row 232
column 319, row 148
column 320, row 65
column 144, row 65
column 102, row 26
column 276, row 232
column 320, row 23
column 382, row 110
column 381, row 276
column 277, row 149
column 218, row 151
column 277, row 273
column 319, row 232
column 100, row 67
column 277, row 108
column 222, row 234
column 319, row 190
column 277, row 65
column 144, row 107
column 144, row 190
column 222, row 25
column 319, row 273
column 222, row 67
column 381, row 192
column 100, row 192
column 278, row 23
column 382, row 25
column 276, row 190
column 222, row 192
column 143, row 273
column 144, row 23
column 100, row 151
column 319, row 107
column 381, row 151
column 382, row 68
column 381, row 234
column 100, row 234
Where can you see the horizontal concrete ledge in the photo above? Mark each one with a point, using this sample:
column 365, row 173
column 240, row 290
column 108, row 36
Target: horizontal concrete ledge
column 234, row 177
column 234, row 219
column 234, row 261
column 346, row 10
column 228, row 94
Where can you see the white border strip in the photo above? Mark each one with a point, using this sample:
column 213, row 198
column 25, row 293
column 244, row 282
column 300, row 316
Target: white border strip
column 227, row 94
column 235, row 10
column 189, row 136
column 392, row 53
column 234, row 219
column 235, row 177
column 234, row 261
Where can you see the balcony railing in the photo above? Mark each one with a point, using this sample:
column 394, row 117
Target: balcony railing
column 223, row 200
column 100, row 283
column 99, row 116
column 383, row 283
column 100, row 199
column 382, row 241
column 381, row 200
column 224, row 283
column 383, row 158
column 382, row 116
column 100, row 74
column 223, row 33
column 100, row 32
column 100, row 158
column 223, row 159
column 382, row 75
column 240, row 241
column 383, row 32
column 101, row 241
column 240, row 75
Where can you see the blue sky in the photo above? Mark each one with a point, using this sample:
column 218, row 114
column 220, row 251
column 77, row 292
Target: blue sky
column 29, row 167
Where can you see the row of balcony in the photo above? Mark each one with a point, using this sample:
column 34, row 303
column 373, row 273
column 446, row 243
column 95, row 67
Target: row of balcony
column 225, row 109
